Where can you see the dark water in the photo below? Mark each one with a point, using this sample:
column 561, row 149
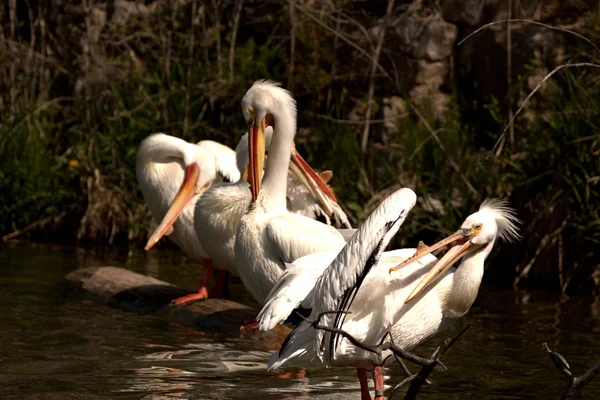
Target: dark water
column 55, row 347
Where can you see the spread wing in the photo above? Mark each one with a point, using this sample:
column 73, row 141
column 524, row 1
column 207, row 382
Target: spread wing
column 294, row 287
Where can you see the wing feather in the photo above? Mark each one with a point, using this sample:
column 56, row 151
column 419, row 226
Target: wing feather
column 294, row 287
column 294, row 236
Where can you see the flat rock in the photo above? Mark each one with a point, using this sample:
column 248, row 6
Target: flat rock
column 130, row 291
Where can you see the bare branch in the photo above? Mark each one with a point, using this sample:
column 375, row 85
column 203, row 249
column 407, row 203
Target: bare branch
column 344, row 38
column 375, row 62
column 421, row 377
column 416, row 380
column 576, row 383
column 236, row 22
column 292, row 44
column 555, row 28
column 534, row 91
column 186, row 114
column 451, row 161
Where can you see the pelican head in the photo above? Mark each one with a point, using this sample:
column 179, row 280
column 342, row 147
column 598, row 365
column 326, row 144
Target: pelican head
column 198, row 175
column 242, row 150
column 477, row 235
column 266, row 105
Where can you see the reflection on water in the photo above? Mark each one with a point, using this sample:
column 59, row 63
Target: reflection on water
column 55, row 347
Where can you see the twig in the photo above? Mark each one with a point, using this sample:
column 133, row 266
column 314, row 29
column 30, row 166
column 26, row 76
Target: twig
column 186, row 114
column 451, row 161
column 560, row 261
column 87, row 62
column 236, row 23
column 12, row 71
column 375, row 349
column 345, row 39
column 555, row 28
column 576, row 383
column 292, row 44
column 34, row 225
column 218, row 37
column 555, row 70
column 416, row 380
column 421, row 378
column 509, row 74
column 382, row 29
column 333, row 70
column 538, row 251
column 204, row 34
column 360, row 121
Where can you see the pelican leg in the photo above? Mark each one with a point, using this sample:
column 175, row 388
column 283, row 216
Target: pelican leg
column 202, row 293
column 250, row 325
column 219, row 288
column 364, row 385
column 378, row 381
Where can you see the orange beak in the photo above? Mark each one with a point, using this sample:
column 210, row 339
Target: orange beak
column 298, row 166
column 423, row 249
column 256, row 149
column 186, row 192
column 452, row 256
column 312, row 181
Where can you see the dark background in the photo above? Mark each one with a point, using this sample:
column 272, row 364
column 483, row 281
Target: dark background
column 82, row 83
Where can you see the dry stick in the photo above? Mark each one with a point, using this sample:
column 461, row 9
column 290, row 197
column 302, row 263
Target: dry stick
column 541, row 247
column 417, row 380
column 529, row 265
column 236, row 23
column 12, row 72
column 29, row 63
column 421, row 377
column 451, row 161
column 345, row 39
column 568, row 278
column 375, row 349
column 555, row 28
column 560, row 261
column 87, row 64
column 186, row 115
column 509, row 74
column 499, row 143
column 292, row 44
column 576, row 383
column 204, row 35
column 365, row 137
column 44, row 73
column 165, row 101
column 26, row 118
column 555, row 70
column 360, row 121
column 333, row 69
column 29, row 227
column 218, row 37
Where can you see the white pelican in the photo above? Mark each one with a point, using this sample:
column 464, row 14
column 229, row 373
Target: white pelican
column 207, row 218
column 304, row 196
column 219, row 210
column 269, row 236
column 360, row 282
column 172, row 175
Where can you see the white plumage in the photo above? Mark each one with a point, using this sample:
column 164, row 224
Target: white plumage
column 359, row 282
column 218, row 212
column 268, row 235
column 300, row 199
column 160, row 169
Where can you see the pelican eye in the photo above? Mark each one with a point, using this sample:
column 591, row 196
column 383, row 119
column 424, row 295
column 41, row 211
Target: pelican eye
column 251, row 115
column 476, row 229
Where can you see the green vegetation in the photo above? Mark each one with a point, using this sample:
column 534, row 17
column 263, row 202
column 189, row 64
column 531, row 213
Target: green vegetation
column 72, row 121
